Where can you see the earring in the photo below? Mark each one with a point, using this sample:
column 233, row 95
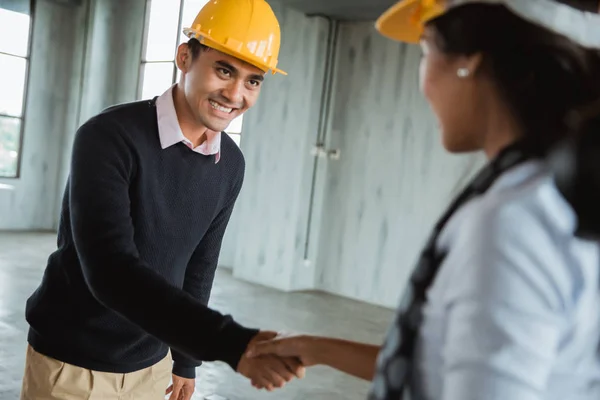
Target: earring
column 462, row 72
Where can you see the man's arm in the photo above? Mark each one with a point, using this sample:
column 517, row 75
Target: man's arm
column 102, row 168
column 200, row 272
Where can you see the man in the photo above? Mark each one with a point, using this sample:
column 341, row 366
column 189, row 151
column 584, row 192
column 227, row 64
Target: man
column 151, row 190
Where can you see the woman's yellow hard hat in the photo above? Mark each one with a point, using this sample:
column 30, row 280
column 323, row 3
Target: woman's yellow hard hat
column 405, row 20
column 245, row 29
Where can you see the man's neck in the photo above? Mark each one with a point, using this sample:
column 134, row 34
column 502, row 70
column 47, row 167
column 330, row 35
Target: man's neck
column 191, row 129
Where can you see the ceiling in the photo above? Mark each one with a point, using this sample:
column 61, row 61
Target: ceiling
column 369, row 10
column 348, row 10
column 20, row 6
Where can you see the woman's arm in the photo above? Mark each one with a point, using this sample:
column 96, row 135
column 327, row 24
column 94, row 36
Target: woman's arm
column 354, row 358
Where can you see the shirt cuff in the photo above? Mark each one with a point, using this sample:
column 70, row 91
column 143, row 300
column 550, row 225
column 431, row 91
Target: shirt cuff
column 235, row 339
column 184, row 371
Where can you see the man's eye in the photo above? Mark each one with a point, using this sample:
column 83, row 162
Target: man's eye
column 224, row 71
column 254, row 83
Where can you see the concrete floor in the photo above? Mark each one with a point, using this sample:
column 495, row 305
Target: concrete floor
column 22, row 261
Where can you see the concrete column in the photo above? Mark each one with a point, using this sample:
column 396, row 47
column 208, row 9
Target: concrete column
column 111, row 65
column 84, row 57
column 56, row 57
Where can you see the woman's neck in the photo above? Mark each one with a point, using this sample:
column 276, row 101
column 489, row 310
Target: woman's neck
column 501, row 130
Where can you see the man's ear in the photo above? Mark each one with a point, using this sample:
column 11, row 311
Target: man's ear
column 183, row 59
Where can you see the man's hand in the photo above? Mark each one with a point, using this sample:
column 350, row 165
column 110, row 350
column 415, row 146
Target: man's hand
column 181, row 389
column 268, row 371
column 302, row 347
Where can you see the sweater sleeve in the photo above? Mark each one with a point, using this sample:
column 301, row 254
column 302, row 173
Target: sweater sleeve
column 201, row 268
column 103, row 165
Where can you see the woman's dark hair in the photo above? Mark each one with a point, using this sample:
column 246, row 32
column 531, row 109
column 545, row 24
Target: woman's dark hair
column 543, row 76
column 575, row 164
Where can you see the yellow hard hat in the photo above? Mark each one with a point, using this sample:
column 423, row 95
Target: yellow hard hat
column 245, row 29
column 405, row 20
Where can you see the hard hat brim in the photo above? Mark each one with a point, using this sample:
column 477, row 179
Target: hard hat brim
column 400, row 22
column 210, row 42
column 278, row 71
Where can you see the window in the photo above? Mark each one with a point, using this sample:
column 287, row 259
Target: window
column 14, row 59
column 164, row 32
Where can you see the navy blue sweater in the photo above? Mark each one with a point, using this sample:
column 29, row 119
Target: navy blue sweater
column 138, row 244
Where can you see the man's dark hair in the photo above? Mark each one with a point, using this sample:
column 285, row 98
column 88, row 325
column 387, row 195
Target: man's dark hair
column 543, row 76
column 196, row 48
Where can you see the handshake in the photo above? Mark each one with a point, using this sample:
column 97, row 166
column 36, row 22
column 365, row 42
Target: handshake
column 272, row 360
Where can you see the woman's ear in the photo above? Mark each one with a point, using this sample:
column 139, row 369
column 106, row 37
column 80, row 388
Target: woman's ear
column 472, row 63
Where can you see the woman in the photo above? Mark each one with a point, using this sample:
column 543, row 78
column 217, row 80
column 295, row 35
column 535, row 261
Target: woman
column 504, row 301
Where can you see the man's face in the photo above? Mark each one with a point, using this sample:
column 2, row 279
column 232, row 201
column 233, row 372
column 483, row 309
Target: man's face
column 218, row 87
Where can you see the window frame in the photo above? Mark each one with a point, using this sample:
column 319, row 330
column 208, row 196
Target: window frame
column 22, row 118
column 143, row 61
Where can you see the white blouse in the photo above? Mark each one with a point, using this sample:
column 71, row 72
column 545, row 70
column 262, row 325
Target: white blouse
column 514, row 312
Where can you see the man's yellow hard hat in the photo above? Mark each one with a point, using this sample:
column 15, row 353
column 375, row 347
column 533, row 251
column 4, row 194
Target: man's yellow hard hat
column 245, row 29
column 405, row 20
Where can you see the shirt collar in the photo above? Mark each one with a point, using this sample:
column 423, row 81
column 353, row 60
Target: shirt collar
column 170, row 132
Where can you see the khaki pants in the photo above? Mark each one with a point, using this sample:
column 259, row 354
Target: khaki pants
column 49, row 379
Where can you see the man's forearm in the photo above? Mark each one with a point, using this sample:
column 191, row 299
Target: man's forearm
column 165, row 311
column 198, row 283
column 357, row 359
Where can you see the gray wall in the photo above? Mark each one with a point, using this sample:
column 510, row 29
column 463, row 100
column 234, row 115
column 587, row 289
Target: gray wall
column 83, row 58
column 372, row 208
column 393, row 178
column 266, row 238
